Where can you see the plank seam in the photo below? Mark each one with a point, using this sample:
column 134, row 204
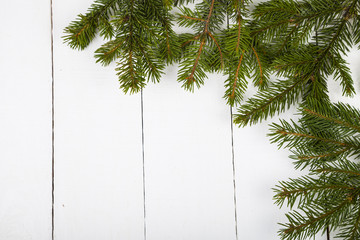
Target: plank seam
column 52, row 125
column 234, row 172
column 143, row 159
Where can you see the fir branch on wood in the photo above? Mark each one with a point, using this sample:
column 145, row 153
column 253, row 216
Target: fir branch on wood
column 278, row 22
column 302, row 43
column 329, row 197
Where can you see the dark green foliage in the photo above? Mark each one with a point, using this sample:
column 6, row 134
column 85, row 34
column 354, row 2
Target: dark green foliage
column 300, row 42
column 327, row 197
column 327, row 136
column 300, row 54
column 200, row 50
column 325, row 139
column 330, row 131
column 83, row 30
column 140, row 38
column 245, row 55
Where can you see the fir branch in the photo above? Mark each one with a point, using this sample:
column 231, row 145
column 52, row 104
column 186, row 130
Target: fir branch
column 232, row 96
column 194, row 38
column 110, row 51
column 302, row 229
column 342, row 72
column 288, row 38
column 192, row 70
column 276, row 99
column 304, row 190
column 286, row 133
column 337, row 170
column 280, row 40
column 218, row 47
column 329, row 196
column 292, row 135
column 82, row 31
column 340, row 117
column 260, row 107
column 238, row 32
column 236, row 82
column 261, row 82
column 330, row 119
column 355, row 229
column 275, row 16
column 320, row 156
column 190, row 79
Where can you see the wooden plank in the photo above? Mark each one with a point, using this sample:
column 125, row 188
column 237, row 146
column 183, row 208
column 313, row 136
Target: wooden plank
column 25, row 122
column 98, row 144
column 188, row 162
column 259, row 166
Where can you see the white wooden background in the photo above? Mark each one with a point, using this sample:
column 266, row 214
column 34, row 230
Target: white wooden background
column 188, row 154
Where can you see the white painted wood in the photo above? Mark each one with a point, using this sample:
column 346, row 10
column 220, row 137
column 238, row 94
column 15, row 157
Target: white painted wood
column 98, row 185
column 25, row 122
column 259, row 167
column 189, row 191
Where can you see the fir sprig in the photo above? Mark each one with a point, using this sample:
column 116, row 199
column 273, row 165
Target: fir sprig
column 311, row 64
column 82, row 31
column 325, row 132
column 195, row 59
column 246, row 57
column 140, row 38
column 328, row 198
